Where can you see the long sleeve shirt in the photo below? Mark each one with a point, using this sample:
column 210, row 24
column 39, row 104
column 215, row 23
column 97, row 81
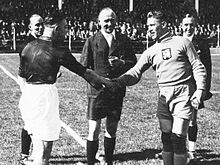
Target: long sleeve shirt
column 175, row 61
column 40, row 62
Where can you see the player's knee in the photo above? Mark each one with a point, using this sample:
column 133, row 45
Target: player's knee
column 111, row 129
column 178, row 143
column 93, row 134
column 192, row 133
column 166, row 140
column 111, row 132
column 94, row 130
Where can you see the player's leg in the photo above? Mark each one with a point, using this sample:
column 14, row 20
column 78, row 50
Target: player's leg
column 182, row 113
column 167, row 153
column 165, row 122
column 93, row 140
column 94, row 116
column 110, row 139
column 25, row 143
column 42, row 151
column 178, row 138
column 192, row 136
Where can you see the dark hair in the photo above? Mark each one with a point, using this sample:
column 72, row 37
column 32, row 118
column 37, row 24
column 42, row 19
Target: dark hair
column 54, row 18
column 158, row 14
column 189, row 15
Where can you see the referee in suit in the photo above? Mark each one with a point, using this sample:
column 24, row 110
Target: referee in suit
column 110, row 55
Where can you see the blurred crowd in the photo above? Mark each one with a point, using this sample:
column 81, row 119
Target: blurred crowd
column 82, row 18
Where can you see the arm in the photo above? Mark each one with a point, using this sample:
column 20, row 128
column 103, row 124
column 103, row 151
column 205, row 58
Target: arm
column 132, row 76
column 70, row 62
column 199, row 73
column 198, row 69
column 205, row 57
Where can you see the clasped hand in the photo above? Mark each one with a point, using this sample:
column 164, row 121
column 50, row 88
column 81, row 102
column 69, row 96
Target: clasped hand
column 111, row 85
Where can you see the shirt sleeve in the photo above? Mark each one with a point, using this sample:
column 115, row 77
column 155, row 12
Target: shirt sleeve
column 69, row 61
column 132, row 76
column 199, row 71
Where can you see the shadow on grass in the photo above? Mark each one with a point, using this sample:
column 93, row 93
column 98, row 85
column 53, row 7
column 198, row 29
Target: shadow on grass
column 142, row 155
column 68, row 159
column 206, row 157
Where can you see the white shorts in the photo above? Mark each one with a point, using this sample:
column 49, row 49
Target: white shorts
column 39, row 106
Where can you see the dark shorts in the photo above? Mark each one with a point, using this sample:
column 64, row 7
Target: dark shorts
column 101, row 108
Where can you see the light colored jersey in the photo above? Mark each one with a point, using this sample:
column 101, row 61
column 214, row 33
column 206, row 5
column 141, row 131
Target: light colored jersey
column 174, row 60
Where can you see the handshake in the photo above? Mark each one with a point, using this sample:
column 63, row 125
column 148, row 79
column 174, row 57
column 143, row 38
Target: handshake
column 99, row 82
column 111, row 85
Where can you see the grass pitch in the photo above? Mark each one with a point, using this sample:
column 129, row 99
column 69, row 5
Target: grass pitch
column 138, row 136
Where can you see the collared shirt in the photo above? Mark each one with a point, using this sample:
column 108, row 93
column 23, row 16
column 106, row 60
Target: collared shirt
column 175, row 61
column 109, row 37
column 163, row 37
column 189, row 37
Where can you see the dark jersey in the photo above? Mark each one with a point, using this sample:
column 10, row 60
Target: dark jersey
column 40, row 62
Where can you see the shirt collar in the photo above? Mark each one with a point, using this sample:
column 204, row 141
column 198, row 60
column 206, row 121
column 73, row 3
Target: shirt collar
column 163, row 37
column 106, row 34
column 189, row 37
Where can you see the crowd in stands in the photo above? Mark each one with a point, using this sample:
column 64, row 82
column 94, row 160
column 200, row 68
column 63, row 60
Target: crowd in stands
column 82, row 23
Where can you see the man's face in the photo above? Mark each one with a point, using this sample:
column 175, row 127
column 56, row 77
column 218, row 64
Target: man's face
column 36, row 26
column 107, row 21
column 188, row 26
column 61, row 30
column 155, row 29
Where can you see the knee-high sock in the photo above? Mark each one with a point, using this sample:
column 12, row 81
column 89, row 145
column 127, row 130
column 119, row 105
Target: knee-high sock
column 167, row 158
column 192, row 132
column 180, row 159
column 91, row 149
column 192, row 135
column 109, row 144
column 25, row 142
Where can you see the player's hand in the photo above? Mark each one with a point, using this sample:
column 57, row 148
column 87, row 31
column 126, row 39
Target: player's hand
column 112, row 86
column 94, row 79
column 197, row 98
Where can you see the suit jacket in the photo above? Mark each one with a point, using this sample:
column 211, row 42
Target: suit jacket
column 95, row 56
column 202, row 48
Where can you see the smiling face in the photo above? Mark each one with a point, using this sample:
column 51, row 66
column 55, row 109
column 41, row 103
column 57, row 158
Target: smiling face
column 107, row 20
column 188, row 26
column 36, row 26
column 155, row 28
